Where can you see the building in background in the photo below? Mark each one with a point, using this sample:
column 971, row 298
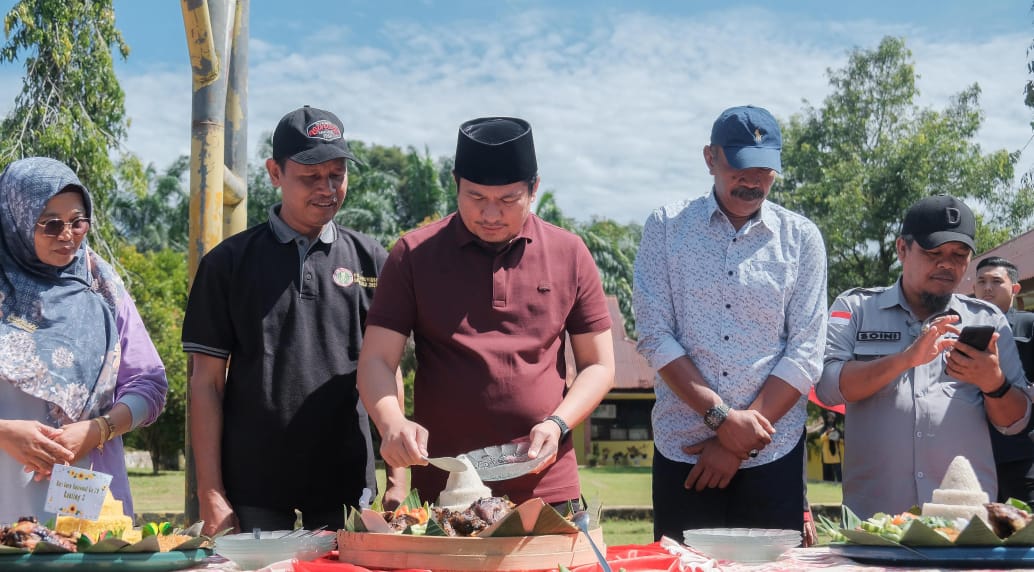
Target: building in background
column 1019, row 251
column 619, row 431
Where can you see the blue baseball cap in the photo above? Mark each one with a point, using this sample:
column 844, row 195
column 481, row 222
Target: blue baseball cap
column 749, row 136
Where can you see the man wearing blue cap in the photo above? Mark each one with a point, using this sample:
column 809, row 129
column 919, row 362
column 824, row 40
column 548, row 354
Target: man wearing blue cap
column 730, row 302
column 917, row 394
column 490, row 294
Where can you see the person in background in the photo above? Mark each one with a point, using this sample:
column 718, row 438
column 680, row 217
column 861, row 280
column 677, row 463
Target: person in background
column 917, row 397
column 491, row 294
column 284, row 304
column 998, row 282
column 77, row 368
column 730, row 303
column 832, row 444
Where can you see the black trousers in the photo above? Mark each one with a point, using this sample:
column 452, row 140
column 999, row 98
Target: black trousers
column 1016, row 480
column 831, row 472
column 767, row 496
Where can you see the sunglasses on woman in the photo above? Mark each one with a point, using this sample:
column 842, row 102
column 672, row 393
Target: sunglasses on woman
column 55, row 226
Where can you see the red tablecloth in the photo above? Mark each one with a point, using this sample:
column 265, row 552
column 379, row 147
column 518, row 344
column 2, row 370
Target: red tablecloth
column 652, row 557
column 631, row 557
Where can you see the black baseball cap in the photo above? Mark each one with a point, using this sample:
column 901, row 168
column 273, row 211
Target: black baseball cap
column 938, row 219
column 310, row 136
column 495, row 151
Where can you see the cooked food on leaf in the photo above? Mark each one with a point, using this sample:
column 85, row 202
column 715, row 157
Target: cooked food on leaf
column 893, row 527
column 28, row 532
column 481, row 514
column 404, row 517
column 1006, row 519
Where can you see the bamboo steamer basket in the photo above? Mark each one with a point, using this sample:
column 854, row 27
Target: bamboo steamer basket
column 451, row 553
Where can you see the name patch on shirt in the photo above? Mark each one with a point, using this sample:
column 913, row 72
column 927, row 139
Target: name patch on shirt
column 879, row 336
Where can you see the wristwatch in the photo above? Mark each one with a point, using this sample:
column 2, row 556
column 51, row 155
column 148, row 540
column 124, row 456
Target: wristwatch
column 715, row 416
column 1000, row 392
column 564, row 429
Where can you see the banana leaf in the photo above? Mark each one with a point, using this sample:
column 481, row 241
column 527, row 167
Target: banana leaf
column 109, row 545
column 532, row 518
column 919, row 534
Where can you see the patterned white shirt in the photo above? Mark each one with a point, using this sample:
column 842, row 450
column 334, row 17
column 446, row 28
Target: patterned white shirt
column 743, row 305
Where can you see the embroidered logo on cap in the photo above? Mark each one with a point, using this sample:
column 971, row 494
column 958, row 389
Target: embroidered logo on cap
column 757, row 135
column 323, row 129
column 343, row 277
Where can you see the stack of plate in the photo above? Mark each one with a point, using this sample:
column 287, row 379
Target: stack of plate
column 250, row 552
column 742, row 544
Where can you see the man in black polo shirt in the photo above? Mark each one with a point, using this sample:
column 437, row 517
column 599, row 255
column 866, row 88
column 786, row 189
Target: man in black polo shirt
column 284, row 303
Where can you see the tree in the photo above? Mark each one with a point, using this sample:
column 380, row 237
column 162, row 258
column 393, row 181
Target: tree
column 71, row 106
column 1028, row 100
column 613, row 247
column 152, row 211
column 261, row 193
column 157, row 281
column 420, row 195
column 854, row 165
column 448, row 182
column 549, row 211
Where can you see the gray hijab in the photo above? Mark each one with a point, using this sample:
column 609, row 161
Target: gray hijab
column 58, row 336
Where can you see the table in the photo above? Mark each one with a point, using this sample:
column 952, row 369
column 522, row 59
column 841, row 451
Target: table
column 633, row 558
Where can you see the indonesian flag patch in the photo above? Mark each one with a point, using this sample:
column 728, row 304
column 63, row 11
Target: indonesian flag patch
column 840, row 318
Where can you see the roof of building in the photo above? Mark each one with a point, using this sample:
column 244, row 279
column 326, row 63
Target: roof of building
column 631, row 371
column 1019, row 251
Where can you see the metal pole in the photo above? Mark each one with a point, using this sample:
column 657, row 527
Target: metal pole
column 207, row 25
column 206, row 40
column 235, row 197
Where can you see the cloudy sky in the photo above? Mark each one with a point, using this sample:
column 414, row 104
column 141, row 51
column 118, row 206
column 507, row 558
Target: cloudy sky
column 621, row 94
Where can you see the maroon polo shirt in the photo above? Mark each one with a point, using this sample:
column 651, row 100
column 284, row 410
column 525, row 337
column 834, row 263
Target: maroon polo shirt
column 490, row 332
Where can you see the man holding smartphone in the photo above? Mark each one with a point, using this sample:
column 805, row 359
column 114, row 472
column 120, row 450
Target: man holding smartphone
column 894, row 357
column 998, row 282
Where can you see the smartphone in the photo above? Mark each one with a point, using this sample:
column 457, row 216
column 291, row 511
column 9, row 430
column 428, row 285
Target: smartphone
column 977, row 336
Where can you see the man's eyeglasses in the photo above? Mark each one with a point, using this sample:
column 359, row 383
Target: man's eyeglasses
column 56, row 226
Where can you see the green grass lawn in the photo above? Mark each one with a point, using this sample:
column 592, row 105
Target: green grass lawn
column 616, row 486
column 163, row 492
column 820, row 492
column 610, row 486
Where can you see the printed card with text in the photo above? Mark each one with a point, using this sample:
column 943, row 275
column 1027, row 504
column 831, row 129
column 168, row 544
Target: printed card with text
column 77, row 492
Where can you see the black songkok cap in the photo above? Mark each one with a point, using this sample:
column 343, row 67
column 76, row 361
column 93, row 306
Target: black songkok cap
column 495, row 151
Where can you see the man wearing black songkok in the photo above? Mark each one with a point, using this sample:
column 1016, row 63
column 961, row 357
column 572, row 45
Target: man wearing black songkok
column 490, row 294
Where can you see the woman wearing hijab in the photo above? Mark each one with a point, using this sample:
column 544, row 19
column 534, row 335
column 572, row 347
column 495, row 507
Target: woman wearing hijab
column 77, row 368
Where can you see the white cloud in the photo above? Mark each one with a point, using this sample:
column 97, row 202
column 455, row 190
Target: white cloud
column 621, row 102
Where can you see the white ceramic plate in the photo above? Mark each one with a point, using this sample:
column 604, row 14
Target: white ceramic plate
column 742, row 544
column 250, row 553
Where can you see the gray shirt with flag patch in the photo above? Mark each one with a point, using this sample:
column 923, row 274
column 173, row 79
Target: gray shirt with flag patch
column 902, row 438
